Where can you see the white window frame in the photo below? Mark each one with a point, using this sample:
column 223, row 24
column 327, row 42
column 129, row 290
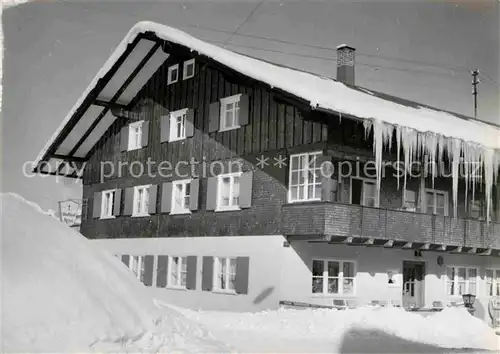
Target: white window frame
column 142, row 212
column 103, row 204
column 455, row 280
column 138, row 270
column 178, row 271
column 404, row 207
column 495, row 281
column 305, row 171
column 340, row 277
column 184, row 69
column 134, row 142
column 236, row 118
column 181, row 113
column 228, row 275
column 436, row 191
column 363, row 193
column 231, row 206
column 175, row 210
column 169, row 74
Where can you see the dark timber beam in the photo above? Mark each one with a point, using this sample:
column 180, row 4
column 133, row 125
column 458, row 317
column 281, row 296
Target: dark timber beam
column 68, row 158
column 107, row 104
column 73, row 175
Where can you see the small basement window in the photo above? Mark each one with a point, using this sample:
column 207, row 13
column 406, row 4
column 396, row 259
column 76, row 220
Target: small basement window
column 188, row 70
column 173, row 74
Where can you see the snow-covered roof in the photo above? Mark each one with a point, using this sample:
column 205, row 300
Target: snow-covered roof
column 321, row 92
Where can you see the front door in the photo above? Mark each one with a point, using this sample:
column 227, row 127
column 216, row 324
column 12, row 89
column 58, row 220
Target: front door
column 413, row 284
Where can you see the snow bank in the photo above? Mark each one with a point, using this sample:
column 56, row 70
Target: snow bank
column 451, row 328
column 63, row 294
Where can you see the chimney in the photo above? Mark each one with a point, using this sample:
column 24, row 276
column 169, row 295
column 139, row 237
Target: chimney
column 345, row 64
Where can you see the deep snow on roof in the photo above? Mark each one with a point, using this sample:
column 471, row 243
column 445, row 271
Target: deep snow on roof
column 320, row 92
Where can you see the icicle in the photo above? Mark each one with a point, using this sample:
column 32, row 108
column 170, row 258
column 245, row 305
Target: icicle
column 398, row 147
column 454, row 151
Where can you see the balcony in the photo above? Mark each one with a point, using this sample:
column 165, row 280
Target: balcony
column 332, row 221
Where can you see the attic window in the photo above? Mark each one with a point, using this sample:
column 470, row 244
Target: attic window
column 173, row 74
column 188, row 70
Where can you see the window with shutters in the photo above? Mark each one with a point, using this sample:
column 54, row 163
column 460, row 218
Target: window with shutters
column 181, row 196
column 492, row 278
column 188, row 69
column 228, row 192
column 436, row 202
column 135, row 135
column 230, row 112
column 461, row 280
column 173, row 74
column 224, row 274
column 178, row 125
column 107, row 204
column 333, row 277
column 136, row 264
column 363, row 192
column 141, row 201
column 177, row 274
column 305, row 178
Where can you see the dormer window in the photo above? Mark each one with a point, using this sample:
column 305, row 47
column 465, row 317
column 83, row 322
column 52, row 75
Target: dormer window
column 173, row 74
column 188, row 70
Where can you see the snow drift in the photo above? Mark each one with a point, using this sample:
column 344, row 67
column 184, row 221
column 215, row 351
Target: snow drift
column 63, row 294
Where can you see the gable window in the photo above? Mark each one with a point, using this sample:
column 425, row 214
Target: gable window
column 136, row 264
column 173, row 74
column 363, row 192
column 135, row 135
column 181, row 195
column 305, row 178
column 108, row 202
column 188, row 70
column 461, row 280
column 178, row 125
column 228, row 191
column 229, row 113
column 409, row 200
column 333, row 277
column 436, row 202
column 224, row 273
column 177, row 275
column 492, row 282
column 141, row 201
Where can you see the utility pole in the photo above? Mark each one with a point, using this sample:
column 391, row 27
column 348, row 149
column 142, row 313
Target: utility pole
column 475, row 81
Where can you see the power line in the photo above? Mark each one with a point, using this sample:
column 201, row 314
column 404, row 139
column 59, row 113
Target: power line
column 245, row 21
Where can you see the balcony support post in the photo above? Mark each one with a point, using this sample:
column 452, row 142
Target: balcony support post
column 389, row 243
column 408, row 245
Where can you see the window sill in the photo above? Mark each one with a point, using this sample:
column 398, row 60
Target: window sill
column 187, row 77
column 224, row 292
column 230, row 128
column 180, row 212
column 140, row 215
column 303, row 201
column 107, row 217
column 171, row 140
column 176, row 287
column 134, row 149
column 334, row 296
column 218, row 210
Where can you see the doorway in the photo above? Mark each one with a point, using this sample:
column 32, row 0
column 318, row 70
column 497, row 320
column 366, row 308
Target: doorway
column 413, row 284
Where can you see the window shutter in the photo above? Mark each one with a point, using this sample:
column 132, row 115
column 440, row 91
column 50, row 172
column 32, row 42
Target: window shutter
column 117, row 202
column 153, row 191
column 211, row 193
column 191, row 272
column 166, row 197
column 193, row 200
column 148, row 270
column 165, row 128
column 96, row 209
column 128, row 205
column 190, row 123
column 126, row 259
column 244, row 109
column 246, row 189
column 242, row 272
column 208, row 273
column 213, row 124
column 162, row 271
column 124, row 135
column 145, row 134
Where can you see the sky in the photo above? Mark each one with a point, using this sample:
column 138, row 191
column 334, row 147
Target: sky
column 416, row 49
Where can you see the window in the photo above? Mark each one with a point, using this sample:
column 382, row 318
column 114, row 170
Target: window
column 188, row 70
column 475, row 209
column 364, row 192
column 135, row 135
column 229, row 113
column 173, row 74
column 461, row 280
column 181, row 194
column 141, row 201
column 409, row 200
column 333, row 277
column 305, row 178
column 436, row 202
column 178, row 125
column 225, row 273
column 136, row 264
column 493, row 282
column 228, row 191
column 177, row 274
column 108, row 201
